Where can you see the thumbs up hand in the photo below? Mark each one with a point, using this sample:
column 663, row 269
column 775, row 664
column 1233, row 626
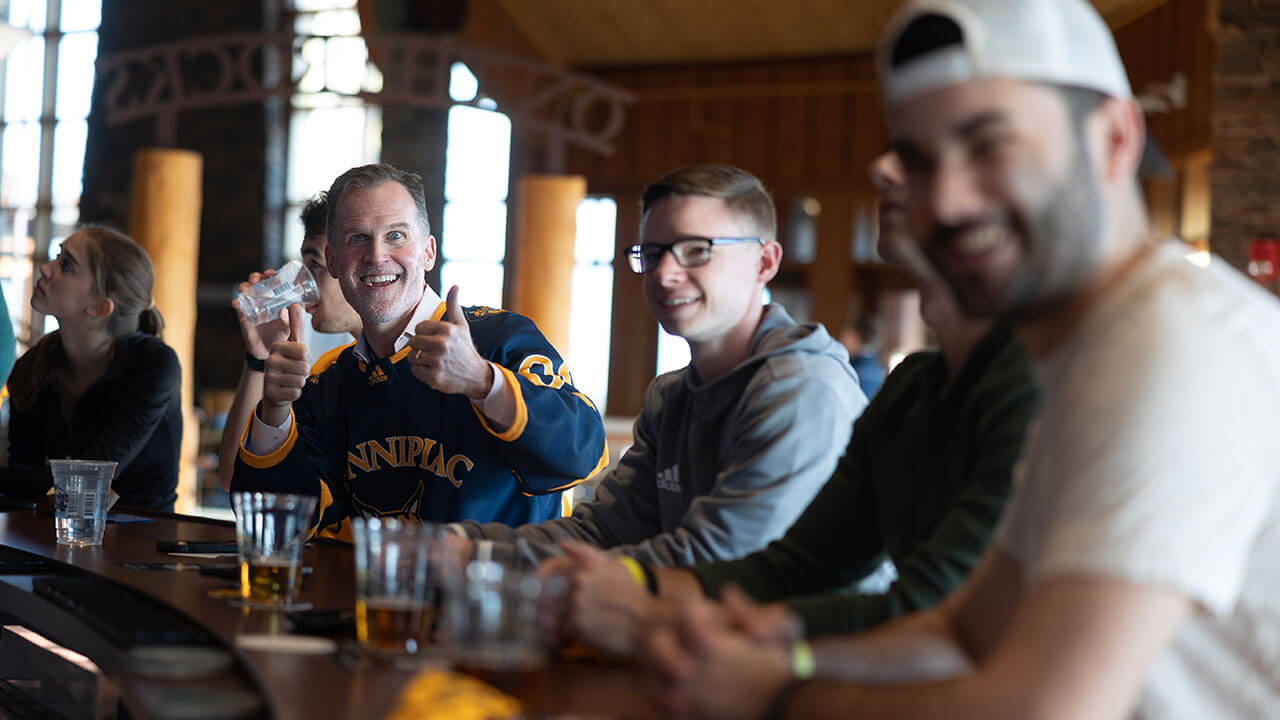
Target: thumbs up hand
column 287, row 368
column 445, row 358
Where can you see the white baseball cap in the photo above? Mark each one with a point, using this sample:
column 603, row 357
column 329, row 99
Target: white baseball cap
column 1059, row 42
column 1063, row 42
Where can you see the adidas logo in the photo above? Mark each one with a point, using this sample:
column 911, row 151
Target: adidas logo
column 377, row 376
column 669, row 479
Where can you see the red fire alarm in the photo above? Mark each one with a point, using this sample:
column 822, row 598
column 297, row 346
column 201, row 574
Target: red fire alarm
column 1264, row 258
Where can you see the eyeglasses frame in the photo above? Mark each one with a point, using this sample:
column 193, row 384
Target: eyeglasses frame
column 635, row 254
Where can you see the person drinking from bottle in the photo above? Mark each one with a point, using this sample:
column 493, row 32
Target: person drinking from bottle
column 437, row 412
column 104, row 386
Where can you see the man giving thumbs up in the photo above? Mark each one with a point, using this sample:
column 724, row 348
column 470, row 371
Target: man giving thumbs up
column 445, row 358
column 437, row 412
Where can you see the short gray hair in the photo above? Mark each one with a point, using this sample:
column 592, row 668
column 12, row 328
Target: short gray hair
column 371, row 176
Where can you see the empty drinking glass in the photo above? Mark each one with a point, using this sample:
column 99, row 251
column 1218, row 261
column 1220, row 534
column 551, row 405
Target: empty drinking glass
column 293, row 283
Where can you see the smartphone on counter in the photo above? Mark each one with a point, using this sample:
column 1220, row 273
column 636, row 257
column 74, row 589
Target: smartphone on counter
column 210, row 547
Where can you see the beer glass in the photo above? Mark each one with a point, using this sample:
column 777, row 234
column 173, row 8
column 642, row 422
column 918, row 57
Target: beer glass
column 395, row 584
column 492, row 619
column 271, row 529
column 80, row 489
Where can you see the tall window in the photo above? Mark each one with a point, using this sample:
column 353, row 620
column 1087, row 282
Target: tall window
column 477, row 167
column 330, row 131
column 47, row 86
column 591, row 304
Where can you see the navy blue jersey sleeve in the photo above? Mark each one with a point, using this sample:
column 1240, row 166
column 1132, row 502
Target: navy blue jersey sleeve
column 557, row 439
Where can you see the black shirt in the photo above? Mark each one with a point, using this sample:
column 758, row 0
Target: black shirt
column 132, row 415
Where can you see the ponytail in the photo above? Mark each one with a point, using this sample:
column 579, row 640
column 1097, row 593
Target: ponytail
column 151, row 322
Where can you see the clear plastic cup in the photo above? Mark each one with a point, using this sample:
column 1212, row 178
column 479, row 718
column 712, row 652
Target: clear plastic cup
column 293, row 283
column 80, row 490
column 396, row 579
column 271, row 529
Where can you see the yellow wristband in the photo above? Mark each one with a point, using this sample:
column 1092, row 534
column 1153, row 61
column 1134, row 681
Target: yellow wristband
column 633, row 567
column 803, row 663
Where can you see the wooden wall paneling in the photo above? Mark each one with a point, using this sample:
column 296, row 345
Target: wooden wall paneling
column 633, row 350
column 1174, row 37
column 829, row 146
column 679, row 117
column 791, row 134
column 718, row 118
column 755, row 137
column 830, row 277
column 651, row 130
column 864, row 122
column 1196, row 48
column 1200, row 84
column 618, row 166
column 1176, row 51
column 1162, row 46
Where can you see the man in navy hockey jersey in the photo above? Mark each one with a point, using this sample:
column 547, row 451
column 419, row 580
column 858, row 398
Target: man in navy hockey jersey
column 437, row 412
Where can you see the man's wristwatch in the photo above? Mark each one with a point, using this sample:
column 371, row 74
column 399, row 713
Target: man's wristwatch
column 254, row 364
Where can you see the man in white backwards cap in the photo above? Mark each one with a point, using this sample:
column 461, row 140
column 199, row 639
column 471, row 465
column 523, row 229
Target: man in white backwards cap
column 1136, row 571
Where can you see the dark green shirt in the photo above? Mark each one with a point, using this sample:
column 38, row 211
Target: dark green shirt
column 922, row 482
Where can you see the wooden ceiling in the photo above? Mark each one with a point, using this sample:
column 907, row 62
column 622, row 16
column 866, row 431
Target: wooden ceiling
column 642, row 32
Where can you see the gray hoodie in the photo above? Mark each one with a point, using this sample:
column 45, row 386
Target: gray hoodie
column 717, row 470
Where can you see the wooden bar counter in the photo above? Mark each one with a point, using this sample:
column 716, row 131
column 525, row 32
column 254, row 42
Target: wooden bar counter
column 290, row 686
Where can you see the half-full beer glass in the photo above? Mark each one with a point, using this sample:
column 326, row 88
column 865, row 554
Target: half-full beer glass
column 271, row 529
column 395, row 584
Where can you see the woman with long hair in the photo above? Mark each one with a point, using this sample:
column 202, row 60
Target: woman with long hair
column 103, row 386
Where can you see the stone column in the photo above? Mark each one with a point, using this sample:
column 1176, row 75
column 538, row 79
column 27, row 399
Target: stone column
column 165, row 220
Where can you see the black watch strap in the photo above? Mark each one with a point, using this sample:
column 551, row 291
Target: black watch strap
column 253, row 363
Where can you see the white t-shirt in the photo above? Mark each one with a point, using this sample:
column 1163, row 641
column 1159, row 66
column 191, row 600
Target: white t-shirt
column 1155, row 458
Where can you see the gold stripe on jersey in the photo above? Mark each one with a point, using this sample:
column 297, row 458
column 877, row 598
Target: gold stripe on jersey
column 339, row 530
column 601, row 464
column 521, row 421
column 404, row 351
column 326, row 359
column 263, row 462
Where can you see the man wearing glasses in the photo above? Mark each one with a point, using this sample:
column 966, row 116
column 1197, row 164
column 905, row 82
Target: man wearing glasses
column 729, row 450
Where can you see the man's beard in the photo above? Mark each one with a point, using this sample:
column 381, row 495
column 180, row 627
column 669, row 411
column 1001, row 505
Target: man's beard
column 1063, row 239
